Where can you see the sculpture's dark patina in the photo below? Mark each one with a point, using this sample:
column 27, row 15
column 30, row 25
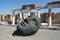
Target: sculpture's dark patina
column 29, row 26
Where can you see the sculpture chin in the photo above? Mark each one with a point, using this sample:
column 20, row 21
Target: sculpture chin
column 29, row 26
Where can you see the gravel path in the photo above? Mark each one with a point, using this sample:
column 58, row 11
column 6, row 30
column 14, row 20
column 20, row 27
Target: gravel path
column 42, row 34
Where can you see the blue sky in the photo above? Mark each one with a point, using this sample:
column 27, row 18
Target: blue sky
column 6, row 5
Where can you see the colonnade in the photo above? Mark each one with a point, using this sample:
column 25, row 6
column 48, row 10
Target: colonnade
column 38, row 14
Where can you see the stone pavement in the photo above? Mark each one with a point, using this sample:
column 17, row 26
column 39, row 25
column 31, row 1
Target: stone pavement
column 42, row 34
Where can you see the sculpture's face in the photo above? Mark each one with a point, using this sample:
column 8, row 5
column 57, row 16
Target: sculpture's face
column 31, row 27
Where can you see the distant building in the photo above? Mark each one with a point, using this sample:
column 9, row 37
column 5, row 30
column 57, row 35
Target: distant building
column 6, row 17
column 45, row 16
column 58, row 16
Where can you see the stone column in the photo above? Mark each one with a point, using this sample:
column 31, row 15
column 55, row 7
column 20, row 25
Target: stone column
column 13, row 16
column 0, row 17
column 3, row 17
column 28, row 12
column 0, row 20
column 28, row 8
column 38, row 13
column 50, row 18
column 20, row 15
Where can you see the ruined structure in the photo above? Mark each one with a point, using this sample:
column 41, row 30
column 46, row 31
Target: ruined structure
column 33, row 6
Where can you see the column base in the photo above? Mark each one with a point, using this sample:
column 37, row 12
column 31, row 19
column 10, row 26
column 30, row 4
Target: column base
column 50, row 21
